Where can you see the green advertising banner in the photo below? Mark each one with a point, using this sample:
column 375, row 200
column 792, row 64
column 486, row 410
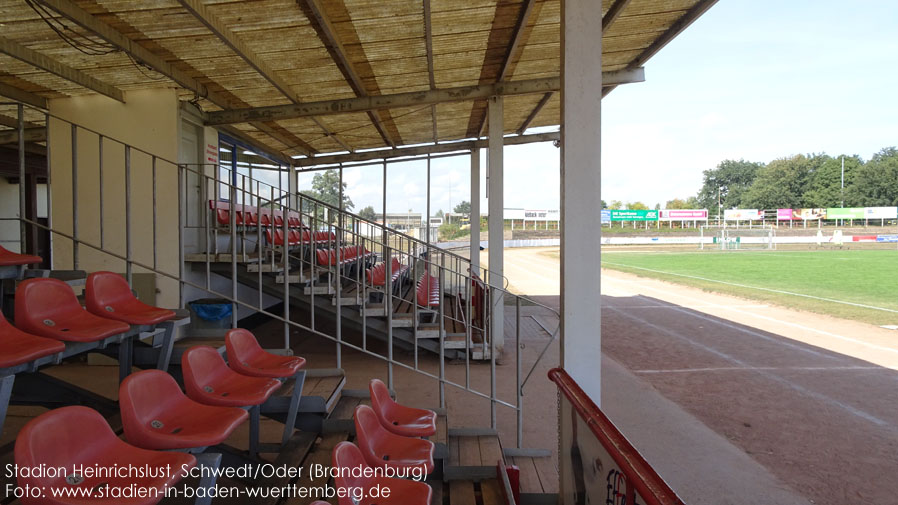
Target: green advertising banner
column 634, row 215
column 846, row 213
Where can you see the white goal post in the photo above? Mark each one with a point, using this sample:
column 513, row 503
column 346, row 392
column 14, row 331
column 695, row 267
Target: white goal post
column 732, row 238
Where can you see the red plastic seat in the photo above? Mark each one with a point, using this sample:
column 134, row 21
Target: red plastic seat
column 70, row 437
column 382, row 448
column 108, row 295
column 17, row 347
column 9, row 258
column 246, row 357
column 428, row 291
column 208, row 380
column 402, row 492
column 49, row 308
column 157, row 415
column 399, row 419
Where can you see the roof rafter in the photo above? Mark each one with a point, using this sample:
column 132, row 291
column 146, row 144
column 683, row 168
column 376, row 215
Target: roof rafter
column 23, row 96
column 240, row 48
column 147, row 57
column 48, row 64
column 428, row 41
column 410, row 99
column 608, row 19
column 33, row 134
column 675, row 29
column 335, row 48
column 448, row 147
column 613, row 13
column 510, row 57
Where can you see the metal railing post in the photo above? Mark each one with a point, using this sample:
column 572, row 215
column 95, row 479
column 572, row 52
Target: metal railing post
column 20, row 109
column 102, row 198
column 388, row 307
column 182, row 222
column 285, row 228
column 128, row 249
column 441, row 328
column 155, row 251
column 232, row 223
column 75, row 256
column 519, row 405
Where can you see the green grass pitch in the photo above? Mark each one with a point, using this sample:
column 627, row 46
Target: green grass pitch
column 854, row 284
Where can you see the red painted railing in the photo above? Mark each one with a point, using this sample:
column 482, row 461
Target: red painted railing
column 640, row 476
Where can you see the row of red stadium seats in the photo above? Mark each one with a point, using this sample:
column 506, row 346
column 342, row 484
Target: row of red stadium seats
column 248, row 215
column 157, row 416
column 347, row 254
column 295, row 237
column 377, row 275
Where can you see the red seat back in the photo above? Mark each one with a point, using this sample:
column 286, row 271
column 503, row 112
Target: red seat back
column 242, row 346
column 144, row 397
column 369, row 432
column 9, row 258
column 347, row 455
column 63, row 437
column 106, row 289
column 201, row 366
column 381, row 402
column 42, row 300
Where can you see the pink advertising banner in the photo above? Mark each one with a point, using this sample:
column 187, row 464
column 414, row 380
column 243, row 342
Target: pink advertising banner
column 684, row 214
column 784, row 214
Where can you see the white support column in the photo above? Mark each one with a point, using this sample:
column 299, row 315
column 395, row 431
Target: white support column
column 495, row 188
column 293, row 187
column 475, row 210
column 581, row 96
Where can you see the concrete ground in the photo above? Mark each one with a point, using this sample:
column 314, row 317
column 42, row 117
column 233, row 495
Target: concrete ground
column 739, row 402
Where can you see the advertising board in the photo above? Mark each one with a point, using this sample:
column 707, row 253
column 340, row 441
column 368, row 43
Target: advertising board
column 634, row 215
column 742, row 214
column 684, row 215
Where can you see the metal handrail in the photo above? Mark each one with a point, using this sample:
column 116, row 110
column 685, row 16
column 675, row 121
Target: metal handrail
column 345, row 227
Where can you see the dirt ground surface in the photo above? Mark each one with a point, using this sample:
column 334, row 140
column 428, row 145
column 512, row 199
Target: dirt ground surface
column 812, row 398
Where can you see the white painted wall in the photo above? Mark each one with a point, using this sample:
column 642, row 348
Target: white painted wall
column 147, row 120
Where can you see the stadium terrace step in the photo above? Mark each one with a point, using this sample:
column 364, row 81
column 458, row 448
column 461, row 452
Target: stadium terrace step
column 294, row 278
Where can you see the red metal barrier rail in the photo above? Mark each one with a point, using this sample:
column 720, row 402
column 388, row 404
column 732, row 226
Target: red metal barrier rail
column 637, row 471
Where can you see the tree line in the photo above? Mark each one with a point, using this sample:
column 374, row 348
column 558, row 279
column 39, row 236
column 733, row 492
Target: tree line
column 800, row 181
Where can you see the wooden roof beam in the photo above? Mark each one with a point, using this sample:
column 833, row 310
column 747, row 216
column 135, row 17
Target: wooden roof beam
column 240, row 48
column 410, row 99
column 38, row 134
column 139, row 53
column 428, row 41
column 613, row 13
column 47, row 64
column 448, row 147
column 23, row 96
column 328, row 36
column 516, row 39
column 675, row 29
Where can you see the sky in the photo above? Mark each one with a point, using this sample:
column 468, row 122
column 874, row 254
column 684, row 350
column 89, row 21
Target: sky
column 750, row 79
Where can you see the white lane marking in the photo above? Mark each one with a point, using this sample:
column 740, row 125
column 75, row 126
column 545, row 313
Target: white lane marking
column 706, row 306
column 801, row 389
column 774, row 320
column 771, row 290
column 755, row 368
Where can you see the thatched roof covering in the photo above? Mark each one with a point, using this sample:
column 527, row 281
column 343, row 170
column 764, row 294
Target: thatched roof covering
column 244, row 54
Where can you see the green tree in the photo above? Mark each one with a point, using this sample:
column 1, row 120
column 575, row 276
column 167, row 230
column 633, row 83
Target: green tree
column 825, row 187
column 603, row 204
column 463, row 208
column 368, row 213
column 676, row 203
column 782, row 183
column 637, row 206
column 326, row 187
column 616, row 205
column 732, row 178
column 439, row 213
column 874, row 183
